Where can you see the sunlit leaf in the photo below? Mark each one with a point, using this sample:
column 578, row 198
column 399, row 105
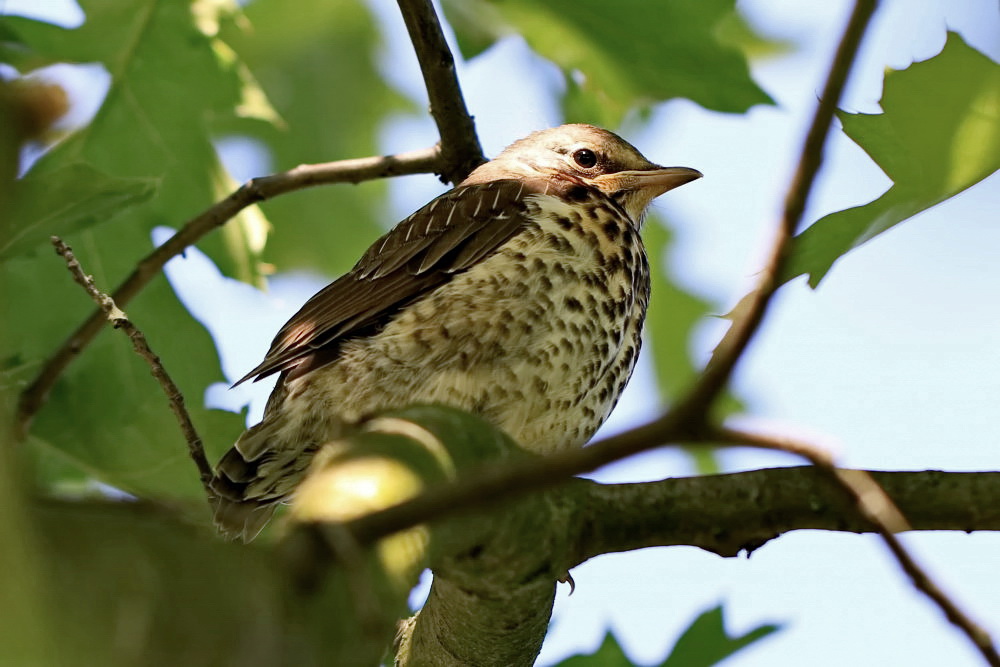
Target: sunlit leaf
column 939, row 134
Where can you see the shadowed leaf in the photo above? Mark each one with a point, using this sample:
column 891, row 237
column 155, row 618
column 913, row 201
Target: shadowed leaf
column 621, row 55
column 65, row 201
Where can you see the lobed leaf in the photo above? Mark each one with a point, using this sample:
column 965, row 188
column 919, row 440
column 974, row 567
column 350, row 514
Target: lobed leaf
column 938, row 135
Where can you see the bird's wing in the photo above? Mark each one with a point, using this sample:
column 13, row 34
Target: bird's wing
column 447, row 236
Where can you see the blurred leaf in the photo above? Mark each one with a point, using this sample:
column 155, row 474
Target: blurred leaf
column 939, row 134
column 107, row 415
column 138, row 587
column 673, row 315
column 150, row 125
column 610, row 654
column 706, row 641
column 734, row 30
column 630, row 53
column 22, row 38
column 317, row 66
column 67, row 200
column 27, row 637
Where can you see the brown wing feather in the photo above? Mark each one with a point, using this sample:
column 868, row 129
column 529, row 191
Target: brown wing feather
column 448, row 235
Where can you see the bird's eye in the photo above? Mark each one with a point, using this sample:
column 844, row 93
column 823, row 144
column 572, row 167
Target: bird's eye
column 585, row 157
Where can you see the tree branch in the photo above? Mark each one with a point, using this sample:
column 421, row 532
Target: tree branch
column 120, row 321
column 750, row 314
column 726, row 514
column 460, row 149
column 423, row 161
column 873, row 504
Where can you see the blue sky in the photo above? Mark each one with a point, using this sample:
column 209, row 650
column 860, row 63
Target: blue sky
column 893, row 362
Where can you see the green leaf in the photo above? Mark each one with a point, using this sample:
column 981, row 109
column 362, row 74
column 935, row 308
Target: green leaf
column 64, row 201
column 706, row 641
column 939, row 134
column 610, row 654
column 22, row 38
column 107, row 416
column 317, row 66
column 621, row 55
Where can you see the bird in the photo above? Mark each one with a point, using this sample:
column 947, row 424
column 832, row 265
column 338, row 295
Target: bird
column 519, row 296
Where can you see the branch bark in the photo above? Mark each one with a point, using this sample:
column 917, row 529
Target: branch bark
column 727, row 514
column 460, row 149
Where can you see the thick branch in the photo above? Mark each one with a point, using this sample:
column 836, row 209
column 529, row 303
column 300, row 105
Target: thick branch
column 258, row 189
column 726, row 514
column 460, row 149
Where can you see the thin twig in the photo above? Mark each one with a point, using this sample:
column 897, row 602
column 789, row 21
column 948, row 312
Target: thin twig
column 119, row 320
column 423, row 161
column 877, row 507
column 460, row 147
column 751, row 314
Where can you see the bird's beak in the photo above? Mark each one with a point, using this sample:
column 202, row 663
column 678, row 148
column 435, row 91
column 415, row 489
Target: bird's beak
column 636, row 188
column 650, row 182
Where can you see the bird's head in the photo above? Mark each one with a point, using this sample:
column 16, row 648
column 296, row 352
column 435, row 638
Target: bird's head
column 566, row 156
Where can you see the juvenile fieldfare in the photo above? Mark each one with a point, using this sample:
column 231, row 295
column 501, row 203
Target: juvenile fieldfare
column 519, row 295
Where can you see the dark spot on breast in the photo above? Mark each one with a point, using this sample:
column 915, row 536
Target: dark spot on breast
column 614, row 263
column 573, row 304
column 559, row 243
column 628, row 237
column 593, row 279
column 611, row 229
column 565, row 223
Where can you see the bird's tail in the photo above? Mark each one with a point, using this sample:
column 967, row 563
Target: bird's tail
column 261, row 470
